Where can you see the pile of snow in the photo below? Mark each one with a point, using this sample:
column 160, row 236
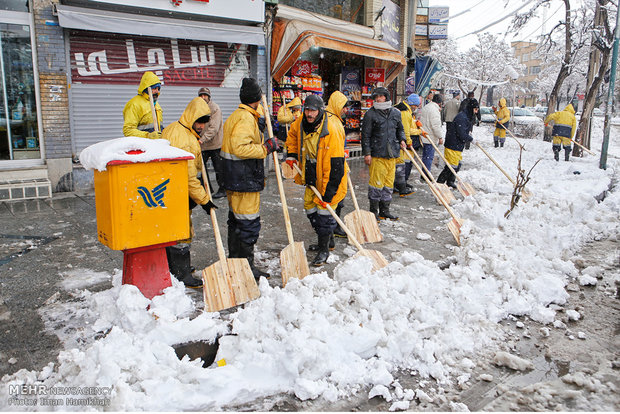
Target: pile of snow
column 327, row 337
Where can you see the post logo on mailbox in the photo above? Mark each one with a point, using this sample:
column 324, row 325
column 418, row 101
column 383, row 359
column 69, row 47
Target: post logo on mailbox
column 155, row 197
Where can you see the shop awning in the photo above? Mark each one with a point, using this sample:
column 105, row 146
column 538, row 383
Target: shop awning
column 293, row 37
column 114, row 22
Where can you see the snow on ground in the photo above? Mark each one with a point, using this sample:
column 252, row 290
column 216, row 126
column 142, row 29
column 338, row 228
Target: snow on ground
column 331, row 335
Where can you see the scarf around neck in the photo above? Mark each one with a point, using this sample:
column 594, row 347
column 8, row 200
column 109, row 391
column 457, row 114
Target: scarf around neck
column 382, row 105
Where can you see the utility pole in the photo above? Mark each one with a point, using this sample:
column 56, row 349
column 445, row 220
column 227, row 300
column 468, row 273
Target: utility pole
column 610, row 93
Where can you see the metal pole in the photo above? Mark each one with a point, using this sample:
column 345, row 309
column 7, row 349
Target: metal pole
column 610, row 93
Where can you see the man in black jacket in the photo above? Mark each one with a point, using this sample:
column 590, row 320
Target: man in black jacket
column 383, row 137
column 456, row 139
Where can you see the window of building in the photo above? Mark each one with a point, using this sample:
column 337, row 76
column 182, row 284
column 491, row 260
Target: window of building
column 525, row 57
column 534, row 70
column 14, row 5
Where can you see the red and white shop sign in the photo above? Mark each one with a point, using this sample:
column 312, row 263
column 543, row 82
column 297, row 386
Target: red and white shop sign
column 303, row 68
column 98, row 57
column 373, row 75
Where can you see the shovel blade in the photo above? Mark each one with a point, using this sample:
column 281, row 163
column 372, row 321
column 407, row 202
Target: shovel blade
column 454, row 226
column 363, row 224
column 378, row 260
column 445, row 192
column 526, row 195
column 228, row 284
column 287, row 171
column 293, row 262
column 465, row 189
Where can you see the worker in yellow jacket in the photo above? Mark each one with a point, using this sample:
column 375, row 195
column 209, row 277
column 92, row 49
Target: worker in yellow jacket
column 403, row 163
column 185, row 134
column 288, row 113
column 243, row 152
column 564, row 128
column 316, row 142
column 503, row 116
column 137, row 114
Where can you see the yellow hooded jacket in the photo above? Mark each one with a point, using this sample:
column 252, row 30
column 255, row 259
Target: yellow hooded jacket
column 243, row 151
column 182, row 135
column 564, row 126
column 503, row 116
column 331, row 179
column 137, row 115
column 409, row 126
column 286, row 115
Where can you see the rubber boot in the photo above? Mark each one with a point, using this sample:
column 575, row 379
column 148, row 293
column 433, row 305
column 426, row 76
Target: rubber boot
column 443, row 177
column 338, row 232
column 501, row 144
column 450, row 181
column 374, row 208
column 323, row 251
column 331, row 245
column 496, row 142
column 233, row 243
column 179, row 265
column 384, row 211
column 556, row 152
column 567, row 153
column 247, row 251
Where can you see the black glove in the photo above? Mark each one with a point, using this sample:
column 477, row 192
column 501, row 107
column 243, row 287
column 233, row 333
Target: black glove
column 262, row 123
column 271, row 145
column 208, row 207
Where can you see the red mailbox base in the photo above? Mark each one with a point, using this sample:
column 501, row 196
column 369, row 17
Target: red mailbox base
column 147, row 269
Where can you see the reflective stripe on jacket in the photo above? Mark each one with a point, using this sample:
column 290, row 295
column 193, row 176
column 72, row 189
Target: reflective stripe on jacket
column 565, row 122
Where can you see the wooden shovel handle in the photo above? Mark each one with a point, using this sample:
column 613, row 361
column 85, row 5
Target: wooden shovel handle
column 333, row 213
column 276, row 162
column 435, row 192
column 428, row 173
column 582, row 147
column 511, row 134
column 353, row 197
column 216, row 228
column 153, row 111
column 443, row 158
column 496, row 164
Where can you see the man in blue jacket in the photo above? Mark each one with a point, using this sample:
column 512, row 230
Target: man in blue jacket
column 456, row 138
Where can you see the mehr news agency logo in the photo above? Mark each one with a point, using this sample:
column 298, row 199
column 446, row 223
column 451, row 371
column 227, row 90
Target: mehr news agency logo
column 154, row 197
column 31, row 395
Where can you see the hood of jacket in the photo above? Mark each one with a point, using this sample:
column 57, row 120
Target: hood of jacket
column 569, row 108
column 336, row 102
column 148, row 79
column 195, row 109
column 295, row 102
column 502, row 102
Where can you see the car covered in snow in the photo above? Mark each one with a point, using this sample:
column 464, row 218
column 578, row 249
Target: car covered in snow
column 486, row 115
column 526, row 124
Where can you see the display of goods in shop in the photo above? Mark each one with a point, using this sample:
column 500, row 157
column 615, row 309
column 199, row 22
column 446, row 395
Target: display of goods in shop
column 312, row 83
column 303, row 68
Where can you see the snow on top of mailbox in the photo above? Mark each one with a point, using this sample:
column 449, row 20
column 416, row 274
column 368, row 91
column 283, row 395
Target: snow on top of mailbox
column 97, row 156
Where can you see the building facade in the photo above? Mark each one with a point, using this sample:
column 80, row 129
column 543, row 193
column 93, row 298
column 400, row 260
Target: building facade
column 525, row 52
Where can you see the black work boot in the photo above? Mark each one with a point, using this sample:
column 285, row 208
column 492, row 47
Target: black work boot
column 496, row 142
column 179, row 265
column 443, row 177
column 247, row 251
column 233, row 243
column 567, row 153
column 323, row 251
column 384, row 211
column 331, row 245
column 501, row 144
column 450, row 181
column 338, row 232
column 374, row 208
column 556, row 153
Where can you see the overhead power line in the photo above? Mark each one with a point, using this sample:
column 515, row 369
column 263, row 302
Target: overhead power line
column 512, row 13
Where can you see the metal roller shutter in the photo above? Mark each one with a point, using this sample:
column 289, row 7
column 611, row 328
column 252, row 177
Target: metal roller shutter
column 106, row 70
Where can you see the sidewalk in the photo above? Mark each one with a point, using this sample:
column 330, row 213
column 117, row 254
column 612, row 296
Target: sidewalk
column 42, row 241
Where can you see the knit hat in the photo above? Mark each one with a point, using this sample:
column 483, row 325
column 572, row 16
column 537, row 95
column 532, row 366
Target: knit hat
column 380, row 91
column 313, row 102
column 204, row 91
column 413, row 99
column 250, row 91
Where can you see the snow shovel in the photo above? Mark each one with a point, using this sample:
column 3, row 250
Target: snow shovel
column 153, row 111
column 464, row 188
column 442, row 188
column 362, row 223
column 293, row 259
column 378, row 261
column 227, row 282
column 455, row 224
column 525, row 193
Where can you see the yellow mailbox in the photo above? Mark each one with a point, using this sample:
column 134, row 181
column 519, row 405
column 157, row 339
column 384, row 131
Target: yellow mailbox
column 142, row 203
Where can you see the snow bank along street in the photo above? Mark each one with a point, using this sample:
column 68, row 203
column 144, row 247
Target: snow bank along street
column 349, row 331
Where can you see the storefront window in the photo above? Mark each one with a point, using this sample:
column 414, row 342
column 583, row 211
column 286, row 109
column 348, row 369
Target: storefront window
column 14, row 5
column 349, row 10
column 19, row 133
